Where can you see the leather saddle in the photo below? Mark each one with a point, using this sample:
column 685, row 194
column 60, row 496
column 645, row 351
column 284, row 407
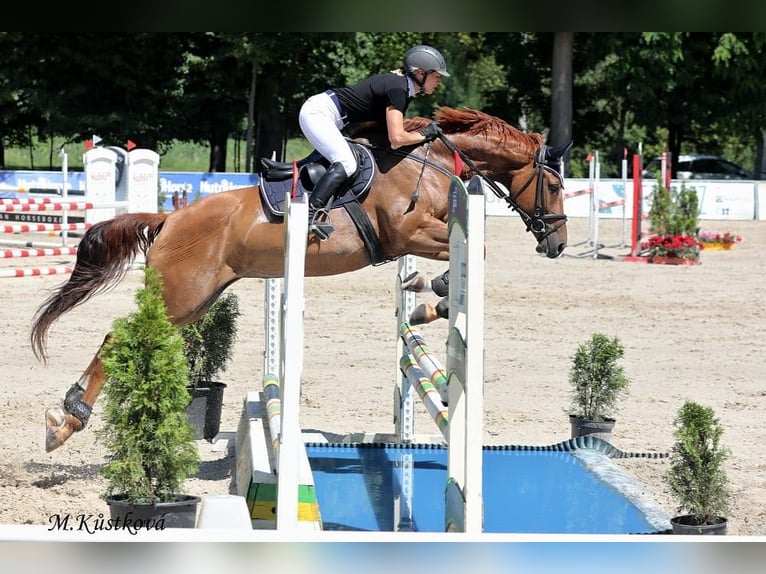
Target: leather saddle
column 279, row 178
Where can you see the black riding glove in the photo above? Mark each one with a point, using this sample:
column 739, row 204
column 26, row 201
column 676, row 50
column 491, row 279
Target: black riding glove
column 431, row 132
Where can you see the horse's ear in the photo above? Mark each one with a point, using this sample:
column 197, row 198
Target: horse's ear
column 557, row 152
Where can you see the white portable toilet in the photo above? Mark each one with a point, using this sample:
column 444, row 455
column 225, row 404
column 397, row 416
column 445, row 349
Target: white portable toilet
column 100, row 177
column 143, row 180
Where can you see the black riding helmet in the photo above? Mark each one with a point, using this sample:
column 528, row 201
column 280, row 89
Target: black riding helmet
column 424, row 58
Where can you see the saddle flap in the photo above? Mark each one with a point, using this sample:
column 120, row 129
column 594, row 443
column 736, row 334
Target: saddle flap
column 277, row 180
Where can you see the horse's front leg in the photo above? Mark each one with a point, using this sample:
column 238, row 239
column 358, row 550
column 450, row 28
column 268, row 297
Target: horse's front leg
column 73, row 413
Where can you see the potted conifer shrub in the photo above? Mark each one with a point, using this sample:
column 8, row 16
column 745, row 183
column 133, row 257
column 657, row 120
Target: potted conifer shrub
column 598, row 382
column 146, row 432
column 696, row 474
column 208, row 347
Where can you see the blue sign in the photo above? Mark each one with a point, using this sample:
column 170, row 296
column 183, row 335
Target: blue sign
column 194, row 186
column 188, row 185
column 23, row 182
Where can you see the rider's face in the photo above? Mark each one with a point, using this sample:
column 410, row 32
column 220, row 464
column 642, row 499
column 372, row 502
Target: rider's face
column 432, row 82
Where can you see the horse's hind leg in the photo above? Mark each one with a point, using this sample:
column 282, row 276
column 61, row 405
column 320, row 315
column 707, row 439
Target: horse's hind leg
column 426, row 313
column 73, row 413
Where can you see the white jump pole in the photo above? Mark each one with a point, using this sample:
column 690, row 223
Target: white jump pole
column 465, row 357
column 465, row 362
column 290, row 439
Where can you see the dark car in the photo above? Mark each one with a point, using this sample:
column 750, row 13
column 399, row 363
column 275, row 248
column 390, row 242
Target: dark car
column 700, row 167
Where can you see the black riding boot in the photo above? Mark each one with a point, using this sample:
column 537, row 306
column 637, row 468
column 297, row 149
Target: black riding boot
column 325, row 189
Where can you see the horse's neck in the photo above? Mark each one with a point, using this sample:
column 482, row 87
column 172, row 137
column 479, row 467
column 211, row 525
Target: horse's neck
column 492, row 153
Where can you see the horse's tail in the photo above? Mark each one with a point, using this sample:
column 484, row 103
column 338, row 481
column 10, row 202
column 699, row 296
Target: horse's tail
column 104, row 256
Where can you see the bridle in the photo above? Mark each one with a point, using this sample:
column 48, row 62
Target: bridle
column 540, row 223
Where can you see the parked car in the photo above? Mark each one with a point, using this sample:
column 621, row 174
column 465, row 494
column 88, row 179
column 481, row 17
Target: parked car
column 700, row 167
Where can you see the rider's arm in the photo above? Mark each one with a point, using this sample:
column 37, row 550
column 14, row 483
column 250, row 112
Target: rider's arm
column 397, row 135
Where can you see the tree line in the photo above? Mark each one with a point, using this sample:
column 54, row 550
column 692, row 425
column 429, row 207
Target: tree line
column 683, row 92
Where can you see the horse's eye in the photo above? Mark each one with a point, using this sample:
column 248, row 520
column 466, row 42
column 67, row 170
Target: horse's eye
column 554, row 188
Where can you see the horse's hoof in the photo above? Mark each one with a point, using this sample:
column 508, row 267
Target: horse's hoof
column 423, row 314
column 56, row 428
column 415, row 282
column 52, row 441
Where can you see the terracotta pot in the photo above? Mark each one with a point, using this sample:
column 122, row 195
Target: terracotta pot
column 668, row 260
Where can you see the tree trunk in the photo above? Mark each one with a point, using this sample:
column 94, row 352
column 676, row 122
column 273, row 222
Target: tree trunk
column 250, row 120
column 561, row 92
column 271, row 125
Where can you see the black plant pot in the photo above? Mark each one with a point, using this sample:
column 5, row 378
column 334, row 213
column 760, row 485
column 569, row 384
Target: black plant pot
column 204, row 410
column 598, row 429
column 179, row 513
column 687, row 524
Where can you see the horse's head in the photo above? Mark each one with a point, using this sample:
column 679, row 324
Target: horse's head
column 522, row 163
column 536, row 191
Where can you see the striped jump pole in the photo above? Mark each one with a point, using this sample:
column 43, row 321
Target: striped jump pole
column 430, row 395
column 426, row 359
column 43, row 252
column 41, row 227
column 29, row 200
column 11, row 272
column 57, row 206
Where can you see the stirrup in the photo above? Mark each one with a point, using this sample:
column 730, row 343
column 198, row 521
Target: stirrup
column 322, row 229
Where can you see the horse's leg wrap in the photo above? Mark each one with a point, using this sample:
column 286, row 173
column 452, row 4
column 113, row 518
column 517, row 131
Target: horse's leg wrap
column 74, row 405
column 442, row 308
column 440, row 284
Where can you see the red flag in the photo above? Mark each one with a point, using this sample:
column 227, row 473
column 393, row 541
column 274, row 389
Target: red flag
column 589, row 157
column 88, row 144
column 458, row 163
column 130, row 145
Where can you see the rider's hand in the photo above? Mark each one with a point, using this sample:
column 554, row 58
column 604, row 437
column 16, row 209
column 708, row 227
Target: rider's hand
column 431, row 132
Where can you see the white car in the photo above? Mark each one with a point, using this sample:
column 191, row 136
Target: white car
column 700, row 167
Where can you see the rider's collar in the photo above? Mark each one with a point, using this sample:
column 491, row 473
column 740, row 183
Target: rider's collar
column 412, row 89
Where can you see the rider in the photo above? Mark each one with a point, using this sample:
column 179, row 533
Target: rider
column 383, row 98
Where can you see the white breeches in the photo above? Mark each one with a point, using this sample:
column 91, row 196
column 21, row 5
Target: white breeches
column 321, row 123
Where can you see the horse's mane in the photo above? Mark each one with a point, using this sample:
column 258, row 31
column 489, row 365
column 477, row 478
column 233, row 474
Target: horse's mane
column 473, row 122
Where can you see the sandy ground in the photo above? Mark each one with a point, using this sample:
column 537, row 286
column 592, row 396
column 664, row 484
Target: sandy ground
column 689, row 333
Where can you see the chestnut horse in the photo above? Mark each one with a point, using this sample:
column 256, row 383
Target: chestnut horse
column 206, row 246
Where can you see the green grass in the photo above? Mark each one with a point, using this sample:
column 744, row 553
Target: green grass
column 181, row 156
